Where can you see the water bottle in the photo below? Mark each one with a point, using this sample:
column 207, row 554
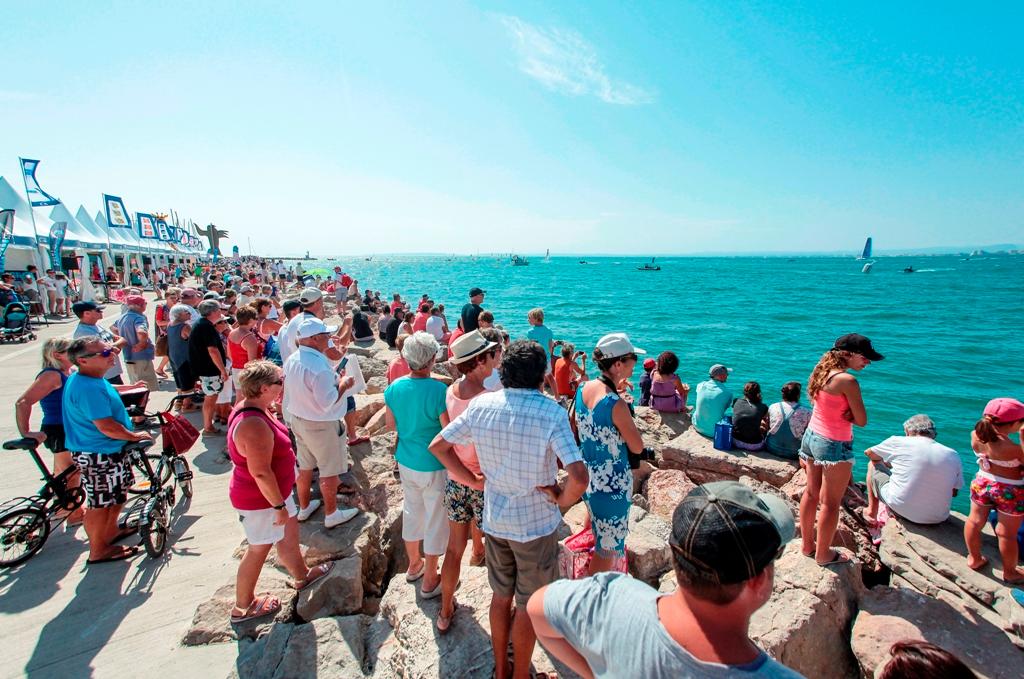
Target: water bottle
column 723, row 435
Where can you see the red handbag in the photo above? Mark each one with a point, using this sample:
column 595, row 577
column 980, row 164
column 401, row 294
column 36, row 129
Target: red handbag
column 576, row 552
column 179, row 434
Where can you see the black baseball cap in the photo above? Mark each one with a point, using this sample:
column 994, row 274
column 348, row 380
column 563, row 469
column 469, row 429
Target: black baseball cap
column 725, row 533
column 473, row 292
column 291, row 304
column 79, row 308
column 858, row 344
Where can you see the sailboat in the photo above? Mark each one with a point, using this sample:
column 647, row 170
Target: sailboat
column 520, row 261
column 866, row 252
column 649, row 267
column 547, row 255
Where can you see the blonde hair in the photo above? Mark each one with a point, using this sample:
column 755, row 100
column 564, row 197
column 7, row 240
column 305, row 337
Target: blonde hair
column 536, row 315
column 54, row 345
column 174, row 291
column 256, row 375
column 831, row 361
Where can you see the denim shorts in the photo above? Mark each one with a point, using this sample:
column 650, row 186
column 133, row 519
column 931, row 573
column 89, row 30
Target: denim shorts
column 824, row 451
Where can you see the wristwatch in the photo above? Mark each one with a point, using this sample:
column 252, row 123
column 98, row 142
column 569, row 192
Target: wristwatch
column 280, row 506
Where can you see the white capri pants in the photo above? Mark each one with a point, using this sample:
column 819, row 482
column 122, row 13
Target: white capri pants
column 423, row 513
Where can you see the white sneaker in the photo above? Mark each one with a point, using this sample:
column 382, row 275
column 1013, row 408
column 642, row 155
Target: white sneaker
column 308, row 511
column 340, row 516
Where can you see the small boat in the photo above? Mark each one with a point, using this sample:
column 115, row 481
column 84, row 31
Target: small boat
column 649, row 267
column 909, row 269
column 583, row 261
column 547, row 255
column 866, row 252
column 867, row 267
column 520, row 261
column 370, row 258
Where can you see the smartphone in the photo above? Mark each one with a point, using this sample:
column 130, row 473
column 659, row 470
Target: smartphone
column 341, row 366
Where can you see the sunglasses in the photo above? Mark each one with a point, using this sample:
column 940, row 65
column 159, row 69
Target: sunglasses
column 279, row 381
column 106, row 353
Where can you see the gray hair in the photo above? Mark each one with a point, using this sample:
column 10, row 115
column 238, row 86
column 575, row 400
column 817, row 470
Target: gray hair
column 419, row 349
column 921, row 425
column 179, row 311
column 80, row 347
column 207, row 307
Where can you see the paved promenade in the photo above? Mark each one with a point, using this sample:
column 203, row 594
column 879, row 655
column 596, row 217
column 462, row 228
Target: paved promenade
column 61, row 618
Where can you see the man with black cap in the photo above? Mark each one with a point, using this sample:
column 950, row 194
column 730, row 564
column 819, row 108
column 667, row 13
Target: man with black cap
column 724, row 541
column 89, row 315
column 471, row 312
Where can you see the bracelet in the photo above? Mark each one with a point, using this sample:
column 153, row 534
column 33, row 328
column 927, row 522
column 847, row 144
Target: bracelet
column 280, row 506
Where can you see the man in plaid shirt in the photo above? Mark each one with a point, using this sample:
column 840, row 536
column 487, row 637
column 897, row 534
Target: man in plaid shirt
column 518, row 432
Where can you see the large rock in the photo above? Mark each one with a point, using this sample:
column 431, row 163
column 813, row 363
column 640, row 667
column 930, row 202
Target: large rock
column 659, row 428
column 367, row 405
column 212, row 624
column 376, row 424
column 328, row 648
column 339, row 592
column 647, row 548
column 372, row 367
column 889, row 614
column 695, row 455
column 665, row 489
column 806, row 623
column 361, row 537
column 376, row 385
column 932, row 560
column 367, row 349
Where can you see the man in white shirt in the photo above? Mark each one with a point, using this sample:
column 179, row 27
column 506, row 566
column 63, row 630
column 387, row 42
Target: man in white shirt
column 914, row 475
column 312, row 303
column 435, row 325
column 315, row 396
column 48, row 286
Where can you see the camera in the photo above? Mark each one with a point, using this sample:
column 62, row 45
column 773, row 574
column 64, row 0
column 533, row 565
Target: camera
column 636, row 458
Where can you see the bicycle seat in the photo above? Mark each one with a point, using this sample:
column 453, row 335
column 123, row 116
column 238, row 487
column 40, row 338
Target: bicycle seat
column 132, row 446
column 27, row 443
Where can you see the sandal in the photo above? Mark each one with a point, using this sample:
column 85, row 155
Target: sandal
column 448, row 619
column 261, row 606
column 359, row 440
column 416, row 575
column 838, row 559
column 121, row 555
column 318, row 572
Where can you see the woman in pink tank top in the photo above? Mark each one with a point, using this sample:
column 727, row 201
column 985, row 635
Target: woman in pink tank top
column 475, row 358
column 826, row 451
column 261, row 490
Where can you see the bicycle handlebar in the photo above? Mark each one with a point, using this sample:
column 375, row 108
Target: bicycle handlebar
column 27, row 443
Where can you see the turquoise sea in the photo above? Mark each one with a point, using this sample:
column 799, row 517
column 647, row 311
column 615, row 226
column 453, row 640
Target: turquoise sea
column 950, row 332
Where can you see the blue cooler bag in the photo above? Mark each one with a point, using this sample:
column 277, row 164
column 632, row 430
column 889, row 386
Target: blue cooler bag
column 723, row 435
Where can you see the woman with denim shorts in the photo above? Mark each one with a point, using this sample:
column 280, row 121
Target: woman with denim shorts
column 826, row 451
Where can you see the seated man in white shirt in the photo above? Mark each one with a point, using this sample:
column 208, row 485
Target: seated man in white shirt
column 315, row 398
column 914, row 475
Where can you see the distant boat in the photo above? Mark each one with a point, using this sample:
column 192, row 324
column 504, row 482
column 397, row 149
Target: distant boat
column 547, row 255
column 909, row 269
column 520, row 261
column 867, row 267
column 649, row 267
column 866, row 252
column 583, row 261
column 370, row 258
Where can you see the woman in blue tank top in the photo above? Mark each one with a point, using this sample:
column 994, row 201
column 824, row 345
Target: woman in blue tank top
column 48, row 391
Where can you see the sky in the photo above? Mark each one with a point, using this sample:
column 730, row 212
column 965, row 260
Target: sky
column 590, row 127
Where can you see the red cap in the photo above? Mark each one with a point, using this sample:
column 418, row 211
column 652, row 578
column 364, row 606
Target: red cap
column 649, row 364
column 135, row 300
column 1005, row 410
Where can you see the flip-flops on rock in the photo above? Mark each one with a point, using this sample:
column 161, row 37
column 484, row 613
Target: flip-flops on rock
column 261, row 606
column 447, row 620
column 318, row 572
column 416, row 575
column 838, row 559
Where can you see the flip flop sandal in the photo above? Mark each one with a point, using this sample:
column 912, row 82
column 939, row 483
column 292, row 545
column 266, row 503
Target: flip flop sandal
column 981, row 564
column 260, row 607
column 119, row 556
column 839, row 558
column 413, row 577
column 432, row 594
column 319, row 572
column 449, row 618
column 358, row 441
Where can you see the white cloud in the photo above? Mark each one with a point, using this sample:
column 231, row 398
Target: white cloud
column 563, row 61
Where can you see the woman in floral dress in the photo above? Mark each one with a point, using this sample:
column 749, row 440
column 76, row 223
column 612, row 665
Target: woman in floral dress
column 607, row 434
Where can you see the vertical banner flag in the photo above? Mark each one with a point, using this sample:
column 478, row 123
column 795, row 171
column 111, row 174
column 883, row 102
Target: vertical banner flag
column 117, row 216
column 6, row 233
column 57, row 233
column 234, row 252
column 36, row 196
column 183, row 237
column 162, row 230
column 147, row 225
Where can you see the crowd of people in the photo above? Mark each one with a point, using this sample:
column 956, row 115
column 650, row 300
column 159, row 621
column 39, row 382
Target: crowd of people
column 479, row 460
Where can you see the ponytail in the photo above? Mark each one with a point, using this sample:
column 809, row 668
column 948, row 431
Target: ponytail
column 985, row 429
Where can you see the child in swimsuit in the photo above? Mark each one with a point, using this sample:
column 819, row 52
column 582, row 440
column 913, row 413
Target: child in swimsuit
column 999, row 485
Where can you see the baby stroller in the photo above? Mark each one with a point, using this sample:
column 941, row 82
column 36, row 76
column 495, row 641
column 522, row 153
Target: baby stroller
column 15, row 326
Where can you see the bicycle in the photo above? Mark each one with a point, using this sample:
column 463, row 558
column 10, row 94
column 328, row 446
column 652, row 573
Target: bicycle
column 171, row 459
column 26, row 522
column 149, row 511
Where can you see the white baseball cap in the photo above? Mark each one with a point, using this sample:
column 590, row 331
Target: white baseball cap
column 314, row 326
column 617, row 344
column 310, row 295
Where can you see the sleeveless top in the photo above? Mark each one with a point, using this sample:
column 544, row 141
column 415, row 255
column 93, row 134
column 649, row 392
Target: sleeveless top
column 52, row 403
column 177, row 346
column 784, row 441
column 827, row 419
column 238, row 355
column 563, row 377
column 242, row 489
column 456, row 406
column 604, row 450
column 664, row 396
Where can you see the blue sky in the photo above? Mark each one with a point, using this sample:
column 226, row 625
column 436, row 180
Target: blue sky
column 672, row 127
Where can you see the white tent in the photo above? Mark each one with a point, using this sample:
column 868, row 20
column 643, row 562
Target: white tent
column 24, row 248
column 77, row 235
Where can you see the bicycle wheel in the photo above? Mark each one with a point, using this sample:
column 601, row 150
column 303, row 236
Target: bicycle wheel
column 154, row 530
column 22, row 533
column 183, row 474
column 161, row 471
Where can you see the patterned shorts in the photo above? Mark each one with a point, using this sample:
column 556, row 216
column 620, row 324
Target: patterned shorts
column 1006, row 498
column 106, row 477
column 464, row 504
column 211, row 386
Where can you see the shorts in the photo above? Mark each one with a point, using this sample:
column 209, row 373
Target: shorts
column 227, row 394
column 464, row 504
column 142, row 371
column 823, row 451
column 183, row 379
column 211, row 386
column 521, row 568
column 258, row 524
column 321, row 446
column 106, row 478
column 350, row 404
column 1006, row 498
column 423, row 515
column 54, row 437
column 878, row 477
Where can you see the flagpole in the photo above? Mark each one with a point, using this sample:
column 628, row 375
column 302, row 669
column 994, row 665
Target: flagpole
column 32, row 214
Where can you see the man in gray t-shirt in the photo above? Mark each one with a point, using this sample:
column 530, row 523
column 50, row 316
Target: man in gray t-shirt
column 89, row 315
column 724, row 540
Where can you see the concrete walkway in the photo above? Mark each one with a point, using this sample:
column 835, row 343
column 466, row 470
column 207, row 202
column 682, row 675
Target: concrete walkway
column 61, row 618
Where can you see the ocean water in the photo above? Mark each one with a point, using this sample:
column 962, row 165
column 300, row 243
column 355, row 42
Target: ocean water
column 950, row 332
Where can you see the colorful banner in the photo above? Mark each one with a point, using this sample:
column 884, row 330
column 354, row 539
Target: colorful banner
column 6, row 233
column 117, row 215
column 36, row 196
column 146, row 224
column 162, row 230
column 57, row 233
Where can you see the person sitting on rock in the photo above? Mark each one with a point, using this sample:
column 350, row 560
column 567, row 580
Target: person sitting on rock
column 787, row 422
column 913, row 659
column 724, row 541
column 713, row 399
column 914, row 475
column 668, row 393
column 749, row 418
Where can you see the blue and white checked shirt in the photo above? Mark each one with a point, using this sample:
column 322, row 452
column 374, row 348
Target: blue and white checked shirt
column 517, row 434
